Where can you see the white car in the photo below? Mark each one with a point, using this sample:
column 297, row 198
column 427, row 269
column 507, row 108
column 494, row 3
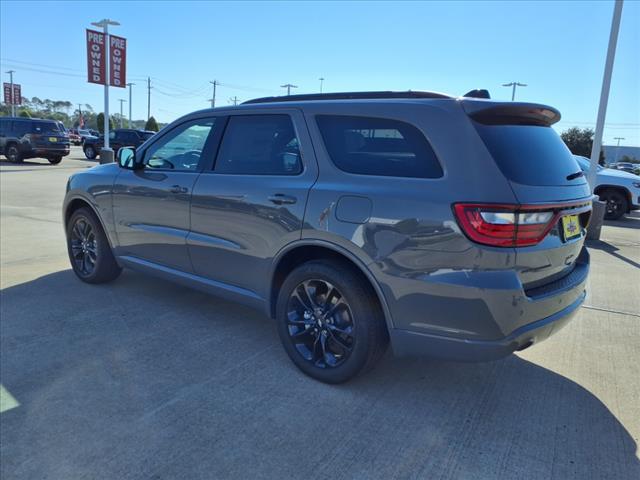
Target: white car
column 621, row 190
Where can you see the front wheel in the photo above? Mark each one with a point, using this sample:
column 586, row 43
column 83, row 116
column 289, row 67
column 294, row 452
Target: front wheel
column 55, row 160
column 13, row 154
column 617, row 204
column 329, row 322
column 90, row 152
column 89, row 251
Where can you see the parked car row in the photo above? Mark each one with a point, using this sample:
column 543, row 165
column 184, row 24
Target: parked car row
column 626, row 167
column 449, row 227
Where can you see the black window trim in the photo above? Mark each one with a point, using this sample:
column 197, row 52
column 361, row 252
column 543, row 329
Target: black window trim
column 378, row 117
column 302, row 171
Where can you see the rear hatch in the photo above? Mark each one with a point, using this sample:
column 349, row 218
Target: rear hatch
column 551, row 189
column 48, row 135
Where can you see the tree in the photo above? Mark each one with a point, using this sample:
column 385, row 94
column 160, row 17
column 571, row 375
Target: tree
column 24, row 113
column 580, row 142
column 151, row 125
column 100, row 123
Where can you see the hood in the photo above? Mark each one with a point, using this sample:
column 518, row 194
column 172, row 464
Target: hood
column 612, row 172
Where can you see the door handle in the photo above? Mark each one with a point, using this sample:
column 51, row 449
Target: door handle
column 282, row 199
column 178, row 189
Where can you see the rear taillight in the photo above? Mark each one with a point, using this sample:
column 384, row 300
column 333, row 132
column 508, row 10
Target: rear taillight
column 505, row 225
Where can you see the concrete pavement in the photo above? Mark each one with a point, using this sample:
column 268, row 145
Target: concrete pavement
column 145, row 379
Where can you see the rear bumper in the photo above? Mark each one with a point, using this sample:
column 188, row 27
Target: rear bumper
column 518, row 319
column 58, row 151
column 408, row 343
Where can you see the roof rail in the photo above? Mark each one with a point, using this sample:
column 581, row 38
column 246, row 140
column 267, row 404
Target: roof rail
column 347, row 96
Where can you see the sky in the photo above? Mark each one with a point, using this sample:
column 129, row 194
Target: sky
column 557, row 48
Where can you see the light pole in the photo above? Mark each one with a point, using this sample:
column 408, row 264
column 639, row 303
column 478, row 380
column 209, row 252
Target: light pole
column 288, row 86
column 321, row 82
column 121, row 100
column 130, row 85
column 104, row 23
column 514, row 85
column 11, row 99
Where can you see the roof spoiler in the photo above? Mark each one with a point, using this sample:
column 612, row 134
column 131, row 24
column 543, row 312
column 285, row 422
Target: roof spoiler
column 512, row 113
column 478, row 93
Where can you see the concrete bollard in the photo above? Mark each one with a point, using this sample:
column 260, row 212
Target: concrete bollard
column 106, row 156
column 597, row 217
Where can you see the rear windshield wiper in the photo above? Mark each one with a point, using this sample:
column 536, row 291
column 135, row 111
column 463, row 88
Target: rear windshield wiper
column 573, row 176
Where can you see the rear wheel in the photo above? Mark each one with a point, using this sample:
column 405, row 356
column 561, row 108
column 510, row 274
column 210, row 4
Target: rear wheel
column 617, row 204
column 54, row 160
column 90, row 152
column 89, row 251
column 13, row 154
column 330, row 324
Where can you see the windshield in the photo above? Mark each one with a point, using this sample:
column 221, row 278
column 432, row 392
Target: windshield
column 46, row 127
column 585, row 163
column 530, row 154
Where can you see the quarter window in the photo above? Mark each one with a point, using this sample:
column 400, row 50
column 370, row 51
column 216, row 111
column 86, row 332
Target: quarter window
column 378, row 146
column 259, row 145
column 180, row 149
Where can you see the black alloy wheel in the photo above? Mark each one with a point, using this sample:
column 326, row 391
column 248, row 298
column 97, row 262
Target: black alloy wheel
column 84, row 248
column 616, row 204
column 320, row 323
column 13, row 154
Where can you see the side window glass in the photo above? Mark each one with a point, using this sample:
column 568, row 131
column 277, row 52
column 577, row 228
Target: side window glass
column 181, row 149
column 378, row 146
column 259, row 145
column 112, row 135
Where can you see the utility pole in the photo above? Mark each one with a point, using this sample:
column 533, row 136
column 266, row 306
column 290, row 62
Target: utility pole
column 321, row 82
column 108, row 157
column 618, row 146
column 148, row 98
column 288, row 86
column 130, row 85
column 604, row 93
column 514, row 85
column 79, row 115
column 121, row 100
column 11, row 99
column 215, row 83
column 234, row 100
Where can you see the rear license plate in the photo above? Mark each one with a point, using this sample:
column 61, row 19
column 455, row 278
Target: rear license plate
column 571, row 227
column 53, row 139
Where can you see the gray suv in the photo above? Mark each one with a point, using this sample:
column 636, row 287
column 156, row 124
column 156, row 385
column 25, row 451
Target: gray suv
column 449, row 227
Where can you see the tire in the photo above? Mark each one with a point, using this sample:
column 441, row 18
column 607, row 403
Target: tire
column 13, row 154
column 342, row 345
column 617, row 203
column 89, row 251
column 90, row 152
column 54, row 160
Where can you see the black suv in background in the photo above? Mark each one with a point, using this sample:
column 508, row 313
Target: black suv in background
column 22, row 138
column 121, row 137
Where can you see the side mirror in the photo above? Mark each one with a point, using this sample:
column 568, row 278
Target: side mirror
column 127, row 158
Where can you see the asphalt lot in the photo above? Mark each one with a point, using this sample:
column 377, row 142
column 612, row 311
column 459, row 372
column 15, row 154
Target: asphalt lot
column 145, row 379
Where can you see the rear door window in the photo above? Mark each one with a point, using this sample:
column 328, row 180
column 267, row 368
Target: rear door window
column 530, row 154
column 378, row 146
column 259, row 145
column 45, row 127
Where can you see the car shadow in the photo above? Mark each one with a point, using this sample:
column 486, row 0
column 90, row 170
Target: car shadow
column 611, row 250
column 631, row 220
column 142, row 378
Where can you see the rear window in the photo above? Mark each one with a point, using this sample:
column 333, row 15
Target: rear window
column 147, row 135
column 45, row 127
column 378, row 146
column 530, row 154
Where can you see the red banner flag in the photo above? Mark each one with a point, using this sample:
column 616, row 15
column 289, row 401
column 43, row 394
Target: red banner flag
column 7, row 93
column 96, row 53
column 117, row 61
column 17, row 94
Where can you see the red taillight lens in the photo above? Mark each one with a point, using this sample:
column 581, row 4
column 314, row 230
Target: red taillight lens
column 505, row 225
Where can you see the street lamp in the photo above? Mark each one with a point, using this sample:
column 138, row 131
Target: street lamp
column 104, row 24
column 514, row 85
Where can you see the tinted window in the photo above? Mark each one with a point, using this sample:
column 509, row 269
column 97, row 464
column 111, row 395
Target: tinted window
column 180, row 149
column 4, row 126
column 128, row 137
column 45, row 127
column 146, row 135
column 21, row 128
column 530, row 154
column 378, row 146
column 259, row 145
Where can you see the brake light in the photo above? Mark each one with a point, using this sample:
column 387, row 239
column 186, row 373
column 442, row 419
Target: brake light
column 505, row 225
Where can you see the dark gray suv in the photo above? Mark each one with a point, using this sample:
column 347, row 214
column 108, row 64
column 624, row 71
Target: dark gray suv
column 451, row 227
